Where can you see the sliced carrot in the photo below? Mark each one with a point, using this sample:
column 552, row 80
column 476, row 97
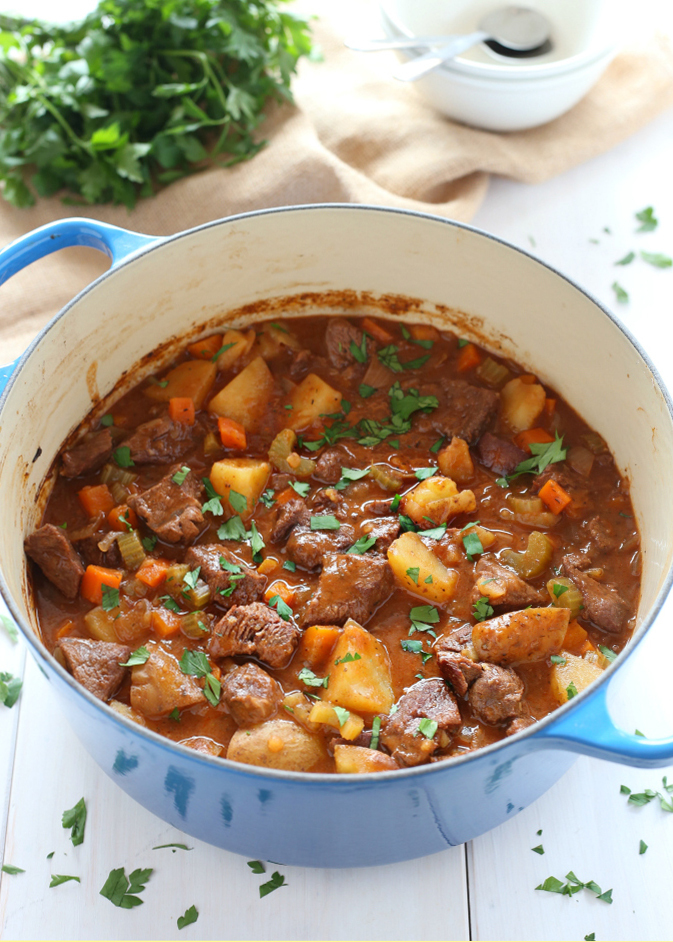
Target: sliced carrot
column 285, row 496
column 206, row 348
column 181, row 409
column 153, row 571
column 278, row 587
column 93, row 580
column 376, row 331
column 537, row 436
column 65, row 629
column 96, row 499
column 122, row 518
column 468, row 358
column 549, row 407
column 317, row 643
column 554, row 496
column 575, row 639
column 268, row 565
column 165, row 623
column 424, row 332
column 232, row 433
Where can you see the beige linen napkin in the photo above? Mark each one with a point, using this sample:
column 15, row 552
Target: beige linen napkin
column 355, row 135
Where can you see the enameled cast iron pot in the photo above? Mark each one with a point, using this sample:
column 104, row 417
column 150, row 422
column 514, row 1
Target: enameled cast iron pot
column 329, row 259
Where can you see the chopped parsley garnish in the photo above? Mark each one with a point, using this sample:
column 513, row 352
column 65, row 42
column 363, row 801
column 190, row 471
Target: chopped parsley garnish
column 290, row 565
column 481, row 609
column 637, row 732
column 10, row 688
column 110, row 598
column 427, row 727
column 238, row 502
column 414, row 572
column 307, row 677
column 190, row 916
column 620, row 293
column 657, row 259
column 75, row 819
column 122, row 890
column 376, row 732
column 462, row 342
column 573, row 886
column 437, row 446
column 542, row 456
column 642, row 847
column 426, row 344
column 281, row 607
column 277, row 880
column 424, row 473
column 342, row 715
column 139, row 656
column 325, row 522
column 267, row 498
column 256, row 866
column 153, row 381
column 169, row 603
column 571, row 690
column 107, row 420
column 362, row 545
column 647, row 219
column 179, row 476
column 359, row 353
column 388, row 356
column 473, row 545
column 422, row 617
column 192, row 577
column 366, row 391
column 232, row 529
column 428, row 580
column 173, row 715
column 395, row 503
column 412, row 647
column 122, row 456
column 627, row 259
column 227, row 346
column 300, row 488
column 436, row 533
column 149, row 542
column 347, row 658
column 58, row 878
column 538, row 850
column 557, row 659
column 214, row 502
column 196, row 664
column 644, row 798
column 256, row 543
column 348, row 475
column 559, row 589
column 11, row 869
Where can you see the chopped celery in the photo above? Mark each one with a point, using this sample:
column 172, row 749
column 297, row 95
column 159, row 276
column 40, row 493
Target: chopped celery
column 131, row 549
column 565, row 594
column 388, row 480
column 280, row 450
column 535, row 560
column 492, row 373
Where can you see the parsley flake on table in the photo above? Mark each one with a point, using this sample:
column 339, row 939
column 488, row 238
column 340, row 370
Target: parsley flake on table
column 10, row 628
column 139, row 656
column 538, row 850
column 10, row 688
column 11, row 869
column 657, row 259
column 173, row 847
column 75, row 819
column 122, row 890
column 620, row 293
column 627, row 259
column 647, row 219
column 642, row 847
column 277, row 880
column 59, row 878
column 573, row 886
column 190, row 916
column 591, row 937
column 256, row 866
column 307, row 677
column 180, row 476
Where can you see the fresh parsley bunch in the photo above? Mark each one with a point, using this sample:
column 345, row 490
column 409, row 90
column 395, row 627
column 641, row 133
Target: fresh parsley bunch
column 138, row 94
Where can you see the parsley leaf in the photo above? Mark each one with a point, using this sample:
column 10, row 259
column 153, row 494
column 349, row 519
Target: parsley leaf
column 388, row 356
column 347, row 658
column 121, row 890
column 627, row 259
column 256, row 866
column 179, row 476
column 647, row 219
column 414, row 572
column 427, row 727
column 169, row 603
column 238, row 502
column 11, row 869
column 422, row 617
column 361, row 545
column 607, row 652
column 542, row 456
column 657, row 259
column 281, row 607
column 307, row 677
column 195, row 663
column 227, row 346
column 325, row 522
column 557, row 659
column 107, row 420
column 10, row 688
column 190, row 916
column 473, row 545
column 290, row 565
column 122, row 456
column 267, row 498
column 149, row 542
column 233, row 529
column 139, row 656
column 58, row 878
column 538, row 850
column 276, row 881
column 172, row 846
column 571, row 690
column 621, row 295
column 366, row 391
column 75, row 819
column 10, row 628
column 424, row 473
column 359, row 353
column 482, row 609
column 110, row 598
column 642, row 847
column 214, row 502
column 301, row 488
column 342, row 715
column 348, row 475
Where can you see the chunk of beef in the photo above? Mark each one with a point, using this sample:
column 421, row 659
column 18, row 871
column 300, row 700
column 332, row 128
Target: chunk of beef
column 93, row 555
column 95, row 665
column 308, row 548
column 160, row 441
column 460, row 671
column 220, row 580
column 602, row 604
column 400, row 733
column 172, row 511
column 329, row 464
column 464, row 410
column 301, row 364
column 88, row 455
column 251, row 695
column 457, row 640
column 363, row 739
column 288, row 515
column 327, row 500
column 601, row 535
column 379, row 506
column 499, row 455
column 279, row 480
column 502, row 587
column 519, row 723
column 255, row 631
column 339, row 335
column 158, row 686
column 384, row 529
column 350, row 586
column 53, row 552
column 496, row 695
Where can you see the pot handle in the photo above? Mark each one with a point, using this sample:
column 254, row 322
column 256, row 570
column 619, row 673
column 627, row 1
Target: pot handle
column 115, row 242
column 590, row 730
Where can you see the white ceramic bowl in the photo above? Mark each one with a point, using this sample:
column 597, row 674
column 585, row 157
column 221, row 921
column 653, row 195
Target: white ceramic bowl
column 498, row 93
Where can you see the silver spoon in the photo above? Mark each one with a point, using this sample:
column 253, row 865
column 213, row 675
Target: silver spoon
column 514, row 30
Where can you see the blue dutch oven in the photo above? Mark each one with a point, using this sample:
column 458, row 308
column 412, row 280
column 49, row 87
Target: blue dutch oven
column 158, row 293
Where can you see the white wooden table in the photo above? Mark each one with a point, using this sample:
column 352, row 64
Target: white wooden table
column 483, row 890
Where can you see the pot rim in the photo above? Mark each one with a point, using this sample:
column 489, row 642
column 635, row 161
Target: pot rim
column 334, row 778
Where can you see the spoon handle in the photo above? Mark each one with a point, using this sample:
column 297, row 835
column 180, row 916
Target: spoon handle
column 416, row 68
column 412, row 42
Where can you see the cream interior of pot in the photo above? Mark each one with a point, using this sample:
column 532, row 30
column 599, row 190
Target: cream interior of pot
column 331, row 259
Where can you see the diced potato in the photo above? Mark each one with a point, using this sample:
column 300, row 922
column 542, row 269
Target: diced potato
column 317, row 643
column 192, row 379
column 299, row 707
column 100, row 625
column 363, row 685
column 158, row 686
column 324, row 712
column 577, row 671
column 438, row 499
column 521, row 404
column 486, row 537
column 125, row 710
column 246, row 398
column 277, row 744
column 409, row 552
column 273, row 338
column 312, row 398
column 531, row 635
column 355, row 760
column 128, row 624
column 246, row 476
column 455, row 461
column 242, row 344
column 576, row 638
column 203, row 744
